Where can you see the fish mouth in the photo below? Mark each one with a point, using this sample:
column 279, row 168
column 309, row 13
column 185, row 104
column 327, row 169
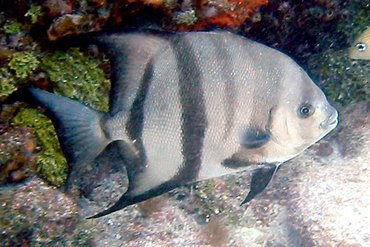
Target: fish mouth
column 331, row 122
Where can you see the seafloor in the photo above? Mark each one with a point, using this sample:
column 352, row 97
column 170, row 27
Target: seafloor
column 320, row 198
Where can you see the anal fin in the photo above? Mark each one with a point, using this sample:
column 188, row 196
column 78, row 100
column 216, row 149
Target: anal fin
column 123, row 202
column 127, row 200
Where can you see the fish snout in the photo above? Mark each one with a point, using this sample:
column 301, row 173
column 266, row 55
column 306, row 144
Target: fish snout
column 332, row 121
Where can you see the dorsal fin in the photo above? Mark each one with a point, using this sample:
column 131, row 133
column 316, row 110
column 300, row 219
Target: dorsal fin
column 129, row 54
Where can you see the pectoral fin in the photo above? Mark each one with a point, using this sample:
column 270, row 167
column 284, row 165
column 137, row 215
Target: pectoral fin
column 255, row 138
column 260, row 179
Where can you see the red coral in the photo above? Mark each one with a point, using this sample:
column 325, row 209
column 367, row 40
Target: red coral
column 220, row 13
column 236, row 16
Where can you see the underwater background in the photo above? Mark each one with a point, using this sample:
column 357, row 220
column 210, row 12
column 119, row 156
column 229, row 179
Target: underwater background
column 320, row 198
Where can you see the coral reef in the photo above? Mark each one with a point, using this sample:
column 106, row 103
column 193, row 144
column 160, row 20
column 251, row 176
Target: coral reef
column 300, row 29
column 65, row 17
column 226, row 13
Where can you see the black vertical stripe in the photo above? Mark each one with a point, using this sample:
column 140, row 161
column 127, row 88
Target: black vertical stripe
column 194, row 121
column 135, row 124
column 119, row 59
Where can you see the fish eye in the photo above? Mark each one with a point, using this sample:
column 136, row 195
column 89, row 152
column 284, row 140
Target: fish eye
column 361, row 46
column 305, row 111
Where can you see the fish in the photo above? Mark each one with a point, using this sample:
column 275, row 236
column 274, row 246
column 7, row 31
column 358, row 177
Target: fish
column 187, row 107
column 360, row 48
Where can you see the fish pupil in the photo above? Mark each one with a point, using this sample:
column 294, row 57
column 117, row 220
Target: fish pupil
column 361, row 46
column 305, row 111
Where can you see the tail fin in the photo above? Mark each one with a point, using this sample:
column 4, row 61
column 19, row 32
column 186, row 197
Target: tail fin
column 78, row 127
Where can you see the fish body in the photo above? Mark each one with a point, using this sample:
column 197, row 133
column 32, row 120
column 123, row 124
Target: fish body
column 360, row 48
column 185, row 107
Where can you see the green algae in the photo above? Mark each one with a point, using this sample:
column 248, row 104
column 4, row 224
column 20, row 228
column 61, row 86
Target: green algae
column 51, row 164
column 23, row 63
column 344, row 80
column 77, row 76
column 13, row 27
column 8, row 83
column 34, row 13
column 187, row 17
column 358, row 20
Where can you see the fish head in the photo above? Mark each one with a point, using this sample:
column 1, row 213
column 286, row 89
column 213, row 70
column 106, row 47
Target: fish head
column 302, row 117
column 360, row 49
column 299, row 116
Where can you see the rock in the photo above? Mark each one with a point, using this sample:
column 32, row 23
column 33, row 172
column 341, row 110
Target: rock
column 17, row 154
column 64, row 25
column 55, row 8
column 36, row 214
